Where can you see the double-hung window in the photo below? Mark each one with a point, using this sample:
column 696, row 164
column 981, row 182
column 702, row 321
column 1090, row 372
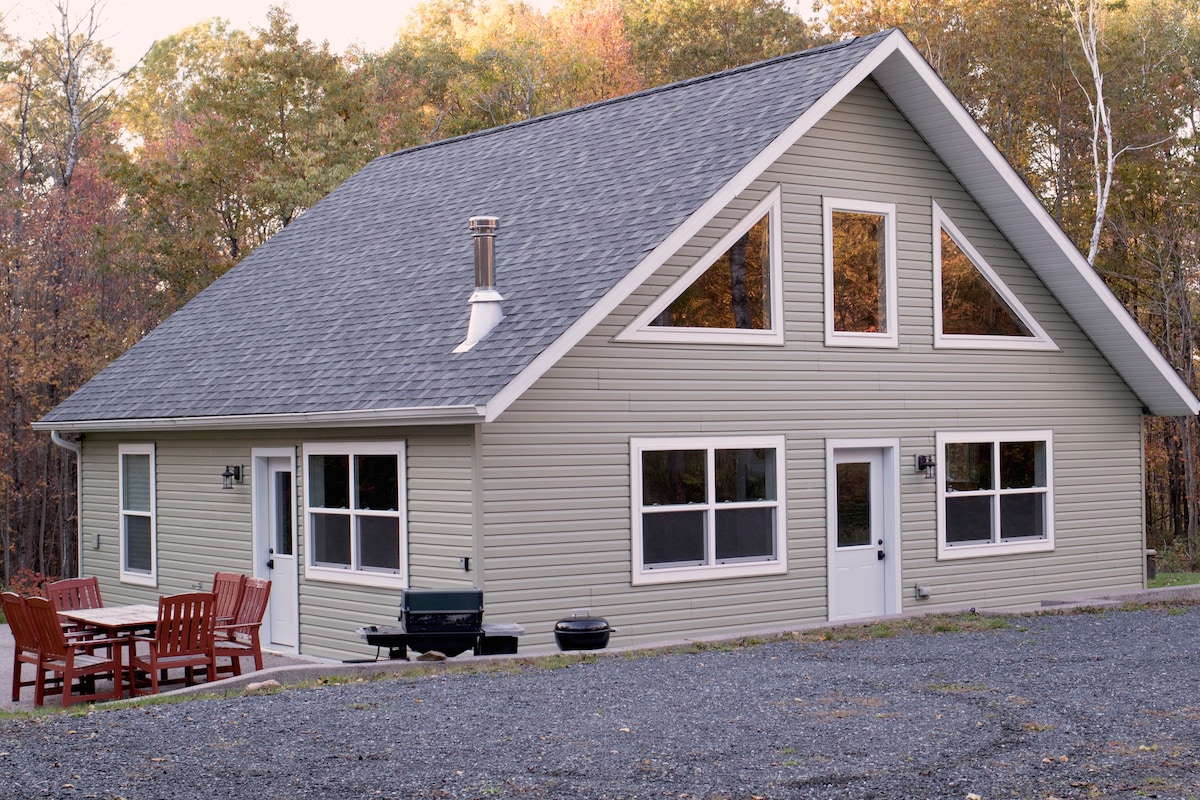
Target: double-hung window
column 995, row 493
column 137, row 510
column 707, row 508
column 355, row 508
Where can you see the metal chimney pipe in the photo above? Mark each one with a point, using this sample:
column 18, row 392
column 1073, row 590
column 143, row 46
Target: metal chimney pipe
column 484, row 231
column 486, row 313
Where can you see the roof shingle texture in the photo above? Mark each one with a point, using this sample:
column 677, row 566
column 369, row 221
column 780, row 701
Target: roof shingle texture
column 359, row 303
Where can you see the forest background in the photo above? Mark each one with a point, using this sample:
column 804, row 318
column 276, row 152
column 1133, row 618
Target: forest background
column 126, row 192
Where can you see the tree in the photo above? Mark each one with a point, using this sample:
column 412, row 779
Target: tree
column 674, row 40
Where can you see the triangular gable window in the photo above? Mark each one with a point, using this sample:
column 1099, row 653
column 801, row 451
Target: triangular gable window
column 730, row 295
column 975, row 308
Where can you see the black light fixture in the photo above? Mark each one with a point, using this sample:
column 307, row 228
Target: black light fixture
column 231, row 475
column 926, row 464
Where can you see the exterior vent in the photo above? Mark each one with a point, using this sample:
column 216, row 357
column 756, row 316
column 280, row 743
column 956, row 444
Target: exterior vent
column 485, row 301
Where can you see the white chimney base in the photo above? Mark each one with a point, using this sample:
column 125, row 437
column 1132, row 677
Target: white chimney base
column 485, row 315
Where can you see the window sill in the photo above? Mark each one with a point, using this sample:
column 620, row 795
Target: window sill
column 947, row 553
column 139, row 580
column 686, row 574
column 378, row 579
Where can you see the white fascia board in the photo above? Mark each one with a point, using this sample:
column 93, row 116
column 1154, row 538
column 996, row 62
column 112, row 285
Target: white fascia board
column 690, row 227
column 982, row 169
column 435, row 415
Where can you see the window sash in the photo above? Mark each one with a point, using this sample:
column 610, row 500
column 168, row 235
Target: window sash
column 137, row 513
column 995, row 493
column 872, row 319
column 346, row 535
column 723, row 508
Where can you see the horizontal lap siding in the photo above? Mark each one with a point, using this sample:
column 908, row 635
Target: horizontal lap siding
column 203, row 528
column 556, row 464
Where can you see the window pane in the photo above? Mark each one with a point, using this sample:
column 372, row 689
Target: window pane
column 859, row 272
column 329, row 481
column 1022, row 465
column 283, row 513
column 744, row 475
column 853, row 504
column 136, row 482
column 379, row 542
column 137, row 544
column 673, row 477
column 970, row 306
column 378, row 486
column 968, row 519
column 734, row 292
column 968, row 466
column 745, row 533
column 331, row 539
column 676, row 537
column 1023, row 516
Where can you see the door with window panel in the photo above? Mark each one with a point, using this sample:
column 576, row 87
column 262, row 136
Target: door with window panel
column 857, row 583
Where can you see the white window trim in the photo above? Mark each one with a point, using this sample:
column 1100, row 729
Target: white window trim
column 138, row 578
column 349, row 575
column 1040, row 340
column 642, row 329
column 890, row 338
column 950, row 552
column 778, row 566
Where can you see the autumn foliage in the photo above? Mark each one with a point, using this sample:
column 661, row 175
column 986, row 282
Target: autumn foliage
column 125, row 193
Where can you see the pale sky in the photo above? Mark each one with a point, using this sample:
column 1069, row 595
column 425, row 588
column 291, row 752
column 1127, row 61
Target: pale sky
column 129, row 27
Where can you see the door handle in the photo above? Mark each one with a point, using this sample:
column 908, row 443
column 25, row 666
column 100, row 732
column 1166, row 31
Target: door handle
column 879, row 555
column 271, row 562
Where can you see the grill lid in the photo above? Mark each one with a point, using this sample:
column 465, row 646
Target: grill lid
column 582, row 625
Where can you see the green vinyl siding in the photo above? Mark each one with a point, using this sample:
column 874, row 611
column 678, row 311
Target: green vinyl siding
column 203, row 528
column 556, row 466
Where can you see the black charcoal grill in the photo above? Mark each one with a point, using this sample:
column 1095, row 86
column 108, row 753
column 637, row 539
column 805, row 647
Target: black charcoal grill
column 449, row 621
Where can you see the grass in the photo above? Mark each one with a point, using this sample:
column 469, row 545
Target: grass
column 1164, row 579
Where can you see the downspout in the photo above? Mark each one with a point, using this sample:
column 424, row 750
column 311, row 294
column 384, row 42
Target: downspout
column 77, row 449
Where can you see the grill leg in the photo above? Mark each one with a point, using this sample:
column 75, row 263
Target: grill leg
column 398, row 653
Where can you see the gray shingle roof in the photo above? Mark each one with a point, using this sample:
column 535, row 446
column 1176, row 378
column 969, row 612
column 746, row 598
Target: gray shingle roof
column 358, row 304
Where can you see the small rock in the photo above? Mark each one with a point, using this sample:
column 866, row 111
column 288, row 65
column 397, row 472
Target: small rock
column 431, row 655
column 262, row 686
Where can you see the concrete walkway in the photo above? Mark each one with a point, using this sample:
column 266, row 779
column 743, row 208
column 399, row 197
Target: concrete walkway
column 290, row 669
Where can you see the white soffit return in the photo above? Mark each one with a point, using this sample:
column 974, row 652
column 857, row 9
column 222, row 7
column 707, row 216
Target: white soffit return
column 949, row 129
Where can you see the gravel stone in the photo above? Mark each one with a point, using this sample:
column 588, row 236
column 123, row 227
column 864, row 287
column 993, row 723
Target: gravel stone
column 1085, row 705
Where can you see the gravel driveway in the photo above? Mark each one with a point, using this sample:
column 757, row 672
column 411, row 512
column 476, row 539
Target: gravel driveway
column 1089, row 705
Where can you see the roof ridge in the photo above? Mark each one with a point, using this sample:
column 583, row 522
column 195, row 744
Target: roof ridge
column 812, row 51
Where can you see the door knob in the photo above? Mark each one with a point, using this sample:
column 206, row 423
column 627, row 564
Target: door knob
column 271, row 562
column 879, row 555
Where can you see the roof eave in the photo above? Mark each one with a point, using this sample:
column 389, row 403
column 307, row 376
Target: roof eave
column 371, row 418
column 982, row 169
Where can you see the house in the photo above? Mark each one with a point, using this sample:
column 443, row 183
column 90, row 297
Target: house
column 785, row 344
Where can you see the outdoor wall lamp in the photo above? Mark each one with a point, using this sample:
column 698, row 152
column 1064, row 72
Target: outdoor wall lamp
column 926, row 464
column 231, row 475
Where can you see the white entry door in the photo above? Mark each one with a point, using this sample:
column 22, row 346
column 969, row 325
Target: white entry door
column 863, row 542
column 275, row 545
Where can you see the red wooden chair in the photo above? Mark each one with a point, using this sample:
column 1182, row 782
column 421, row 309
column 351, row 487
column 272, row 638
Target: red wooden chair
column 25, row 645
column 70, row 594
column 227, row 586
column 240, row 639
column 71, row 660
column 183, row 638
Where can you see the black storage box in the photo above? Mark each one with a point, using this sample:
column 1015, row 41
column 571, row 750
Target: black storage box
column 442, row 610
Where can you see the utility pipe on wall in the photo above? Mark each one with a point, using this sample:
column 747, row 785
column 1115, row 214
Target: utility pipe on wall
column 77, row 449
